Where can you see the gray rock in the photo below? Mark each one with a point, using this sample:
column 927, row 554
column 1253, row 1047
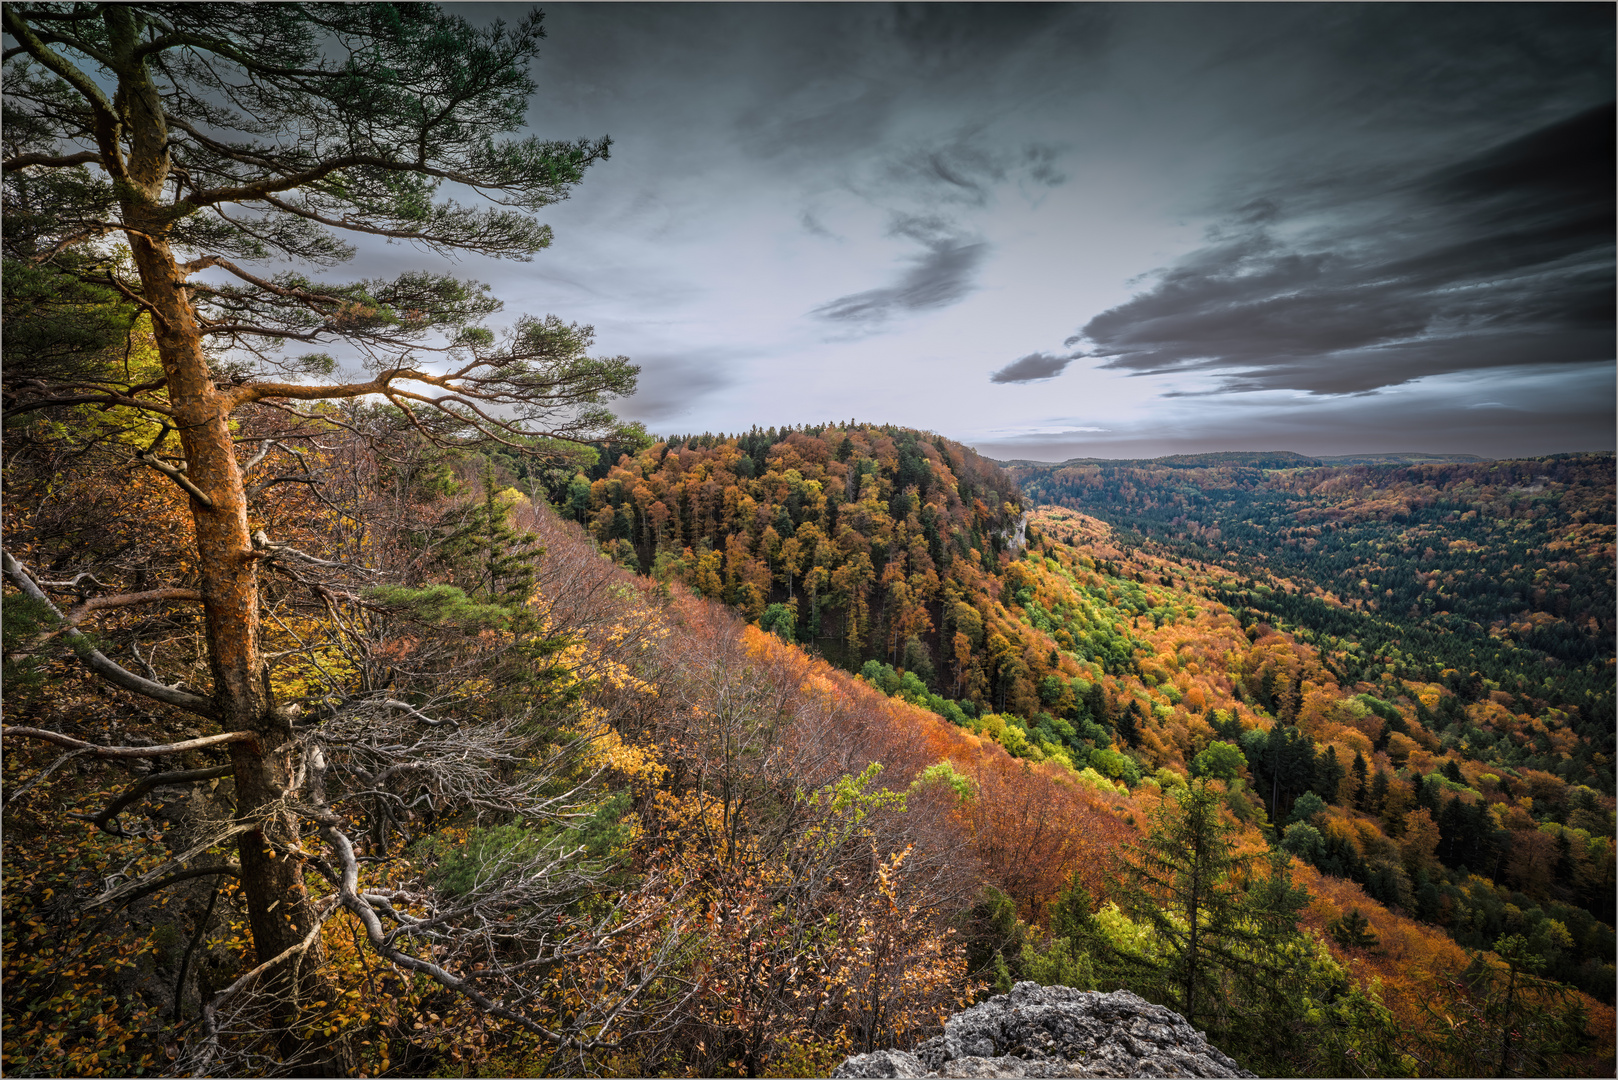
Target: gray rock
column 1042, row 1031
column 881, row 1063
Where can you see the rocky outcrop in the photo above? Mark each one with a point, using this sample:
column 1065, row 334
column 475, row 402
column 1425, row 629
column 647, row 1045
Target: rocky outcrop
column 1055, row 1031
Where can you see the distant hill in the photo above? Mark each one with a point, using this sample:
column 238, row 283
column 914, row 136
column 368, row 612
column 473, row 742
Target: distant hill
column 1250, row 459
column 1235, row 459
column 1498, row 568
column 1400, row 459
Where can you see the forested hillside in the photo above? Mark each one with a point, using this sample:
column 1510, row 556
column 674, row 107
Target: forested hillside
column 747, row 828
column 862, row 540
column 422, row 718
column 1492, row 578
column 1118, row 659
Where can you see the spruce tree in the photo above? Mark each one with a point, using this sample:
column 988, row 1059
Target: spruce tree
column 1179, row 881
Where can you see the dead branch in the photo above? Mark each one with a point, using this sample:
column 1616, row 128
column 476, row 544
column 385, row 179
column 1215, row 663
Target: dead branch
column 228, row 869
column 80, row 611
column 210, row 1028
column 160, row 877
column 128, row 751
column 52, row 767
column 73, row 584
column 103, row 820
column 175, row 473
column 269, row 550
column 97, row 662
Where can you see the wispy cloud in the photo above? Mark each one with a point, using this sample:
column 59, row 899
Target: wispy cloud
column 940, row 275
column 670, row 385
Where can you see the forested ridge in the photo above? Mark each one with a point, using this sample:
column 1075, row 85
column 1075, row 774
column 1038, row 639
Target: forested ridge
column 419, row 717
column 1491, row 577
column 859, row 538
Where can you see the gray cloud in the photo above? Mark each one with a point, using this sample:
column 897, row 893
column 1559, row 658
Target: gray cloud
column 1552, row 410
column 1033, row 368
column 966, row 169
column 1040, row 160
column 1502, row 259
column 811, row 225
column 957, row 171
column 670, row 385
column 938, row 277
column 941, row 35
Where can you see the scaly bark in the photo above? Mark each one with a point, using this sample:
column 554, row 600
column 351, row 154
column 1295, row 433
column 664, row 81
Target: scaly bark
column 278, row 906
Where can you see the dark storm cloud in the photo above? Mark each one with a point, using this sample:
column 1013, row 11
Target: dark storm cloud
column 1501, row 259
column 1033, row 368
column 836, row 79
column 939, row 276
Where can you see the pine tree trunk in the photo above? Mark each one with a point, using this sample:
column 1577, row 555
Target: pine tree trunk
column 279, row 911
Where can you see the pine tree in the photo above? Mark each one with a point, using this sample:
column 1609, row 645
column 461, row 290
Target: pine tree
column 1353, row 931
column 1179, row 880
column 1361, row 773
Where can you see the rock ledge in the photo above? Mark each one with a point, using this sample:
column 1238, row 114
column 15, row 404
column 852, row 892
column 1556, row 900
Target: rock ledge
column 1055, row 1031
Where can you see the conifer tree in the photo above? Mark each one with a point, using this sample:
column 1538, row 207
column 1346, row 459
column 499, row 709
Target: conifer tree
column 1179, row 880
column 146, row 144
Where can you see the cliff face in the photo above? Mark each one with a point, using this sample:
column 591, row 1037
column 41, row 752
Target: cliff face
column 1055, row 1031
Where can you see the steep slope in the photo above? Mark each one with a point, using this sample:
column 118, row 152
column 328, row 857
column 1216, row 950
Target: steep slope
column 1121, row 660
column 1493, row 578
column 862, row 541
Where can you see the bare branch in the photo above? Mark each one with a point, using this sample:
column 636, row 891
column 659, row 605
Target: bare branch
column 380, row 941
column 175, row 473
column 79, row 612
column 423, row 717
column 103, row 820
column 52, row 767
column 128, row 751
column 225, row 869
column 263, row 452
column 72, row 583
column 162, row 877
column 265, row 548
column 98, row 663
column 209, row 1027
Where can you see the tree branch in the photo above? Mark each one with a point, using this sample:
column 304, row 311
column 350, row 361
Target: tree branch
column 156, row 879
column 13, row 796
column 106, row 118
column 136, row 790
column 349, row 895
column 209, row 1027
column 52, row 161
column 265, row 548
column 227, row 869
column 114, row 673
column 91, row 399
column 79, row 612
column 175, row 473
column 128, row 751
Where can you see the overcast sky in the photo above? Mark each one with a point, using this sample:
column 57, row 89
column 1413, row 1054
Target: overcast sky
column 1112, row 230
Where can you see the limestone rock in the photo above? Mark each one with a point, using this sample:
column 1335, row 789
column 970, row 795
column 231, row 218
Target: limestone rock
column 1039, row 1031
